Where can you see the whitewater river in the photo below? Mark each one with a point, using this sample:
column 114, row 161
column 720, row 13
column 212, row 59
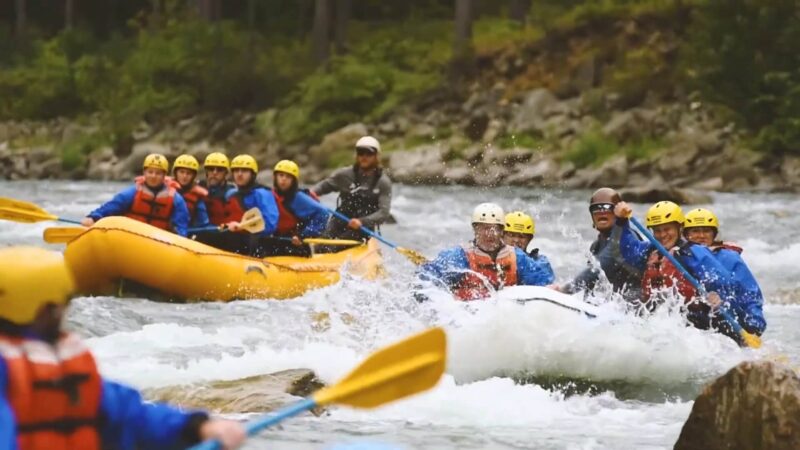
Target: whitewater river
column 624, row 383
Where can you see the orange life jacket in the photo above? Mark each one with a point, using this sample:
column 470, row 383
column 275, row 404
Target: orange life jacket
column 155, row 209
column 191, row 196
column 54, row 391
column 660, row 274
column 498, row 272
column 288, row 222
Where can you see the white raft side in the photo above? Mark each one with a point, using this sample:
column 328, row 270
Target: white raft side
column 544, row 295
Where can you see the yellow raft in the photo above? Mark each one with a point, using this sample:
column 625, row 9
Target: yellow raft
column 118, row 248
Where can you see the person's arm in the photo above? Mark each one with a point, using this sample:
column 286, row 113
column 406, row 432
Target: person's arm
column 748, row 302
column 265, row 202
column 533, row 272
column 330, row 184
column 632, row 250
column 313, row 217
column 201, row 215
column 117, row 206
column 448, row 268
column 384, row 205
column 8, row 423
column 128, row 422
column 180, row 215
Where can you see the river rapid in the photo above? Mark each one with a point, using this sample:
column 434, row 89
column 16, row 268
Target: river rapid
column 532, row 376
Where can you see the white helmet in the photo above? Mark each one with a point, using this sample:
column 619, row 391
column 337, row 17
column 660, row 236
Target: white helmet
column 369, row 142
column 489, row 213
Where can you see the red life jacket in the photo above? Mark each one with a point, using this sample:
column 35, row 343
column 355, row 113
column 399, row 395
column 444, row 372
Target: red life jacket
column 288, row 223
column 716, row 246
column 498, row 272
column 221, row 211
column 155, row 209
column 54, row 392
column 660, row 274
column 191, row 196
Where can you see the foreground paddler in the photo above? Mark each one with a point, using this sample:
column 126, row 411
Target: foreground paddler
column 625, row 279
column 150, row 200
column 472, row 271
column 52, row 396
column 365, row 193
column 663, row 279
column 702, row 227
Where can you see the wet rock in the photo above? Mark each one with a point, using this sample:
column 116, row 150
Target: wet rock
column 614, row 172
column 491, row 175
column 459, row 173
column 421, row 165
column 627, row 125
column 46, row 169
column 657, row 192
column 260, row 393
column 677, row 160
column 790, row 171
column 474, row 155
column 39, row 155
column 755, row 406
column 509, row 158
column 132, row 165
column 584, row 178
column 476, row 126
column 708, row 184
column 541, row 172
column 339, row 141
column 494, row 129
column 529, row 115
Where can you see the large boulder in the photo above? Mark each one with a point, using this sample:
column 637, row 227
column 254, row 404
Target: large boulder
column 340, row 141
column 421, row 165
column 132, row 164
column 530, row 115
column 259, row 393
column 655, row 193
column 755, row 406
column 544, row 171
column 790, row 171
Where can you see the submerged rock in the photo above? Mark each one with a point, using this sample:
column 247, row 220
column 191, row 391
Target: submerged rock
column 755, row 406
column 259, row 393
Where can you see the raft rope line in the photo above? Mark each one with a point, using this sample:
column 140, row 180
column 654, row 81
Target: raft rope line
column 306, row 267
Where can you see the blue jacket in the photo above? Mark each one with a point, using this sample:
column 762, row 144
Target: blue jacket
column 312, row 215
column 261, row 198
column 624, row 278
column 127, row 421
column 748, row 302
column 121, row 203
column 200, row 218
column 450, row 265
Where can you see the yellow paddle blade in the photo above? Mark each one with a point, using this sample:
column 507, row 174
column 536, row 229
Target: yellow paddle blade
column 751, row 340
column 402, row 369
column 320, row 241
column 412, row 255
column 252, row 221
column 24, row 215
column 62, row 235
column 6, row 202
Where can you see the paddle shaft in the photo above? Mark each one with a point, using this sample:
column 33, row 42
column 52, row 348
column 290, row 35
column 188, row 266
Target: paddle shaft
column 725, row 314
column 76, row 222
column 255, row 426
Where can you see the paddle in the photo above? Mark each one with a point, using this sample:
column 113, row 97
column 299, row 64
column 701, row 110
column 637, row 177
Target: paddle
column 321, row 241
column 750, row 339
column 62, row 235
column 402, row 369
column 412, row 255
column 252, row 222
column 26, row 212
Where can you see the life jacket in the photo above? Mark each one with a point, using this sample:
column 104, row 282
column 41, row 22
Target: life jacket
column 661, row 274
column 288, row 222
column 498, row 272
column 155, row 209
column 362, row 197
column 717, row 246
column 233, row 209
column 222, row 210
column 54, row 392
column 192, row 196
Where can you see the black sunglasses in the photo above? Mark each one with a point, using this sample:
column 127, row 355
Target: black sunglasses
column 361, row 151
column 601, row 207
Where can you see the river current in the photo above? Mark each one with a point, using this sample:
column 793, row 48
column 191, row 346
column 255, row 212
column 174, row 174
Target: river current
column 532, row 376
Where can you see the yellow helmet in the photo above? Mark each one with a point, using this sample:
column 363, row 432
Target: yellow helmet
column 701, row 217
column 217, row 159
column 519, row 222
column 244, row 162
column 156, row 161
column 31, row 277
column 287, row 166
column 186, row 162
column 663, row 212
